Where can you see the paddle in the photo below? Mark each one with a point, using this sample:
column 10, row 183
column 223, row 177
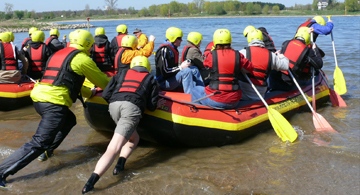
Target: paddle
column 335, row 98
column 313, row 76
column 31, row 78
column 281, row 126
column 319, row 121
column 339, row 80
column 215, row 93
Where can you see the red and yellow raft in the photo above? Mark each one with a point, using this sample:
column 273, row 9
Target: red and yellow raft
column 178, row 122
column 13, row 95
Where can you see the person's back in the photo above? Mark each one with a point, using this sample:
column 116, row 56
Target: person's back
column 269, row 43
column 37, row 53
column 9, row 69
column 115, row 43
column 301, row 59
column 225, row 67
column 101, row 50
column 53, row 41
column 263, row 62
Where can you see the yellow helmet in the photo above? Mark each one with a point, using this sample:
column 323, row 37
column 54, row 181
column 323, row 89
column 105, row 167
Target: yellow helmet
column 194, row 37
column 99, row 31
column 82, row 38
column 32, row 29
column 129, row 41
column 5, row 37
column 54, row 31
column 122, row 28
column 141, row 61
column 248, row 29
column 38, row 36
column 320, row 20
column 173, row 33
column 12, row 36
column 254, row 34
column 304, row 34
column 222, row 36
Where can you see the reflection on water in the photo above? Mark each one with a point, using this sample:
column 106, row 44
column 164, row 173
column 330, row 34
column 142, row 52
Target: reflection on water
column 316, row 163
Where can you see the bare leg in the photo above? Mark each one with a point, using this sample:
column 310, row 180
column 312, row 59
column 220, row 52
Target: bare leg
column 114, row 147
column 129, row 147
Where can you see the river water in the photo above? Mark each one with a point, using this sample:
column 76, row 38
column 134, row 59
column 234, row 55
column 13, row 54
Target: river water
column 313, row 164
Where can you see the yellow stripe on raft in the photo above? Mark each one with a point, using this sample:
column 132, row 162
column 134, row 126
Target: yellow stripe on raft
column 15, row 95
column 280, row 107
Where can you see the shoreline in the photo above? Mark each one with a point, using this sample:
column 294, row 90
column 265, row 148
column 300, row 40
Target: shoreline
column 195, row 17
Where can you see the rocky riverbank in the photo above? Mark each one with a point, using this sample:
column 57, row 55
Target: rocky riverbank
column 46, row 26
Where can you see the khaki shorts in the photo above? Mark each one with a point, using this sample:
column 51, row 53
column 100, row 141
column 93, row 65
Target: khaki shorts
column 10, row 76
column 126, row 115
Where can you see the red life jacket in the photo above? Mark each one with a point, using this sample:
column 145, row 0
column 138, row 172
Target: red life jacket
column 68, row 44
column 174, row 51
column 225, row 70
column 295, row 51
column 58, row 72
column 118, row 66
column 185, row 51
column 118, row 39
column 99, row 54
column 36, row 60
column 208, row 49
column 261, row 59
column 308, row 24
column 25, row 42
column 133, row 81
column 8, row 60
column 48, row 40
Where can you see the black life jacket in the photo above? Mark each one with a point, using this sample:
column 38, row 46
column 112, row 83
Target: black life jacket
column 261, row 59
column 225, row 70
column 174, row 51
column 174, row 55
column 132, row 81
column 295, row 51
column 37, row 61
column 101, row 57
column 25, row 42
column 58, row 72
column 118, row 65
column 185, row 51
column 8, row 60
column 308, row 24
column 208, row 49
column 269, row 43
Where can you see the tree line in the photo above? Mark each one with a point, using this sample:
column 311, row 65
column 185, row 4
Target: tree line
column 174, row 8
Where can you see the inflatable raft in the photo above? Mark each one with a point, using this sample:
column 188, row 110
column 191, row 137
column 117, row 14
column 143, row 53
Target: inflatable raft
column 178, row 122
column 14, row 96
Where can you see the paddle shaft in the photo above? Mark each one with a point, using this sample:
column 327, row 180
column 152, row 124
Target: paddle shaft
column 333, row 43
column 216, row 92
column 30, row 78
column 313, row 75
column 302, row 93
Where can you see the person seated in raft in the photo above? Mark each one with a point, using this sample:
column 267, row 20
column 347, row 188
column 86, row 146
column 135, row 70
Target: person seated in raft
column 225, row 66
column 301, row 58
column 208, row 49
column 101, row 51
column 128, row 93
column 53, row 41
column 116, row 41
column 141, row 38
column 192, row 52
column 263, row 61
column 37, row 53
column 9, row 69
column 27, row 40
column 169, row 73
column 53, row 96
column 269, row 43
column 128, row 51
column 320, row 28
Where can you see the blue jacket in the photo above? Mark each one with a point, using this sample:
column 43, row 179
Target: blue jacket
column 322, row 30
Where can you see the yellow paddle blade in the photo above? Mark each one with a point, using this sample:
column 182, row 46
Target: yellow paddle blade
column 281, row 126
column 339, row 81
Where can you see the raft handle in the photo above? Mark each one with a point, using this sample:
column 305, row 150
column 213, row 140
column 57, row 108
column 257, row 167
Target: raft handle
column 193, row 108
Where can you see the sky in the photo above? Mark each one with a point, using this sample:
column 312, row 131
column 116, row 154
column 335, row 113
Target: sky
column 41, row 5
